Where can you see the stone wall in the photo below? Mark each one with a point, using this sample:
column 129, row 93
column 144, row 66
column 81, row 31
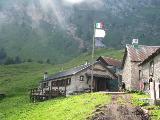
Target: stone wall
column 156, row 75
column 145, row 77
column 126, row 74
column 135, row 82
column 130, row 75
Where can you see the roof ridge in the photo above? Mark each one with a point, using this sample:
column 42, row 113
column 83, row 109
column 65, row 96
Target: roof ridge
column 143, row 45
column 113, row 58
column 149, row 57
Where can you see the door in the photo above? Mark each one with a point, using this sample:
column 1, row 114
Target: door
column 101, row 84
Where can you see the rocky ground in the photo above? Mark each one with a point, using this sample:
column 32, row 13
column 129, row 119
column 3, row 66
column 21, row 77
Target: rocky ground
column 120, row 109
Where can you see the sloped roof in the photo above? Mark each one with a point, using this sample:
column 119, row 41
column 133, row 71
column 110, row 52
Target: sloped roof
column 150, row 57
column 110, row 61
column 69, row 72
column 138, row 54
column 74, row 70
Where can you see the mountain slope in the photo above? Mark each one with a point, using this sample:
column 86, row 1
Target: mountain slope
column 17, row 80
column 59, row 31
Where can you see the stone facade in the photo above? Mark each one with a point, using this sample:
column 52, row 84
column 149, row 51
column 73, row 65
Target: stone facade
column 135, row 81
column 130, row 74
column 126, row 74
column 156, row 75
column 133, row 56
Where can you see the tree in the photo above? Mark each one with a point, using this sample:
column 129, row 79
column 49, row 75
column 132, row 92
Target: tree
column 3, row 54
column 40, row 61
column 17, row 60
column 48, row 61
column 29, row 60
column 9, row 61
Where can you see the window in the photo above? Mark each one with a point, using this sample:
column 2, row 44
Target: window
column 45, row 84
column 151, row 68
column 81, row 78
column 68, row 81
column 140, row 75
column 54, row 83
column 61, row 83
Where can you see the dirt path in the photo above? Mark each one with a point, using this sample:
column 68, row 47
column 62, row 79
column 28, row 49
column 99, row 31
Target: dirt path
column 120, row 109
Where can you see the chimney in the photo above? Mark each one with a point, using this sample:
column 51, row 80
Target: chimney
column 135, row 43
column 86, row 62
column 45, row 75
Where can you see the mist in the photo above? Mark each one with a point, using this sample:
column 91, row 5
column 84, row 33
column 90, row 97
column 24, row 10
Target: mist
column 52, row 11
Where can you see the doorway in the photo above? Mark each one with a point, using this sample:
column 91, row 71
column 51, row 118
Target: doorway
column 100, row 84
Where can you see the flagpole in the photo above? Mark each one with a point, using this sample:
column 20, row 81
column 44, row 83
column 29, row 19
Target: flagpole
column 93, row 47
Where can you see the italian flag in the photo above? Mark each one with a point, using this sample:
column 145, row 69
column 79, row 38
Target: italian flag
column 100, row 25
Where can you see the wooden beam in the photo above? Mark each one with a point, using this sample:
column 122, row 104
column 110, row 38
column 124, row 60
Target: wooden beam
column 65, row 87
column 49, row 92
column 58, row 86
column 96, row 81
column 42, row 91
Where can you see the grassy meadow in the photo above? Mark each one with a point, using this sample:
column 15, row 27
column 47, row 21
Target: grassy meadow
column 70, row 108
column 16, row 80
column 154, row 111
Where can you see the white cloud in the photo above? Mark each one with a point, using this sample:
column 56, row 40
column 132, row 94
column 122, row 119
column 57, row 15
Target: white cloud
column 74, row 1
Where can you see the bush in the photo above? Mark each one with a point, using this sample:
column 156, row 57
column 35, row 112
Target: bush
column 2, row 96
column 9, row 61
column 136, row 91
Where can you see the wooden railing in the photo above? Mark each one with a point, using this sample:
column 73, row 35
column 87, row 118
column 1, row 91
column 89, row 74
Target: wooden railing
column 41, row 94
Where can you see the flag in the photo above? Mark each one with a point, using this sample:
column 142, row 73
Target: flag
column 135, row 41
column 100, row 33
column 100, row 25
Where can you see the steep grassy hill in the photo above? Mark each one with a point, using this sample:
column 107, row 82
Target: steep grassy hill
column 56, row 30
column 16, row 80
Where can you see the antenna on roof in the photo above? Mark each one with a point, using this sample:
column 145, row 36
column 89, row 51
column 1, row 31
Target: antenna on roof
column 135, row 43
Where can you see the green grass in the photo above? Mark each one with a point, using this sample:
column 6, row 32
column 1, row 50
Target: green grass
column 117, row 54
column 136, row 99
column 153, row 110
column 16, row 80
column 70, row 108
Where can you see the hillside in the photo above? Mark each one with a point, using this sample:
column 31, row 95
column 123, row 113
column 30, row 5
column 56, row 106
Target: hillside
column 59, row 31
column 16, row 80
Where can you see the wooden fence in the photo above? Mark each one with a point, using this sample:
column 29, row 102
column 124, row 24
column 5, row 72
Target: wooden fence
column 41, row 94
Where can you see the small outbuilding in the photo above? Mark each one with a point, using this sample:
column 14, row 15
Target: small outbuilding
column 75, row 80
column 78, row 79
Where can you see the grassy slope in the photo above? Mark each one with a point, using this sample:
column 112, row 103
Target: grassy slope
column 15, row 80
column 117, row 54
column 70, row 108
column 153, row 110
